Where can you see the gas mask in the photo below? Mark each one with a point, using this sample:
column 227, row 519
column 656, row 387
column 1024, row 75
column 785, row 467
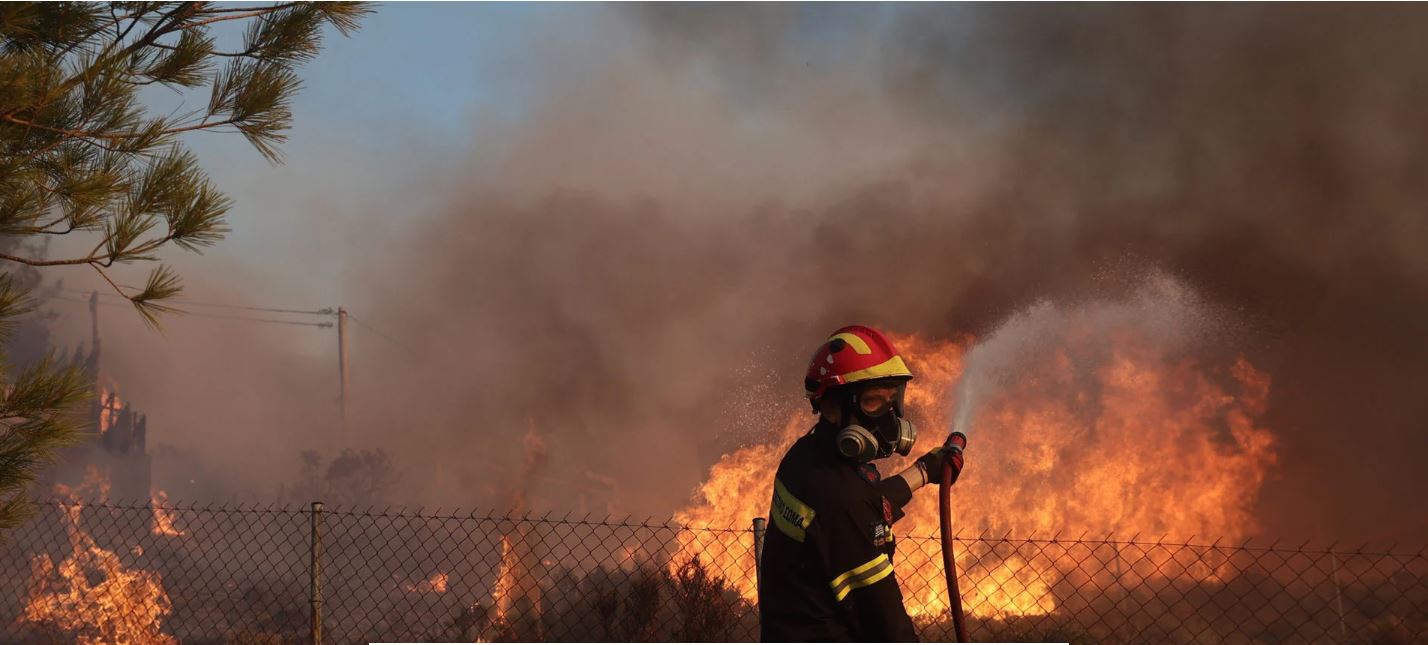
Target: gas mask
column 875, row 426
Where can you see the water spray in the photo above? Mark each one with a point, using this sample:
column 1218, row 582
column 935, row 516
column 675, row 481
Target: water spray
column 1160, row 308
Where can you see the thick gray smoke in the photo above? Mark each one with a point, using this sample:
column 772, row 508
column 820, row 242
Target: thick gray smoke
column 1268, row 157
column 640, row 266
column 714, row 194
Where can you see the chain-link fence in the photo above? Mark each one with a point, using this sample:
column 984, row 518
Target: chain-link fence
column 119, row 574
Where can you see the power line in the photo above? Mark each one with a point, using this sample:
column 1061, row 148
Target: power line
column 326, row 311
column 192, row 303
column 319, row 312
column 399, row 345
column 261, row 320
column 200, row 314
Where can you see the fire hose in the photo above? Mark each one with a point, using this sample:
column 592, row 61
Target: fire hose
column 957, row 441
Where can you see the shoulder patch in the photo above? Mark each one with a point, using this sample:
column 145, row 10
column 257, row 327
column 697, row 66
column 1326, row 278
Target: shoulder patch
column 880, row 534
column 790, row 515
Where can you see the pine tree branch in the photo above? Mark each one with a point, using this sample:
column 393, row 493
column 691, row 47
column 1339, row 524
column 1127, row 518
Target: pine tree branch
column 81, row 134
column 43, row 229
column 241, row 16
column 202, row 125
column 159, row 30
column 134, row 21
column 89, row 142
column 105, row 58
column 114, row 22
column 105, row 260
column 65, row 131
column 141, row 249
column 48, row 147
column 284, row 5
column 67, row 231
column 41, row 185
column 104, row 275
column 108, row 236
column 242, row 54
column 45, row 263
column 143, row 83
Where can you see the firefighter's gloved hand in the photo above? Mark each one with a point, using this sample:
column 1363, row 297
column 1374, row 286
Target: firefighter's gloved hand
column 933, row 462
column 928, row 468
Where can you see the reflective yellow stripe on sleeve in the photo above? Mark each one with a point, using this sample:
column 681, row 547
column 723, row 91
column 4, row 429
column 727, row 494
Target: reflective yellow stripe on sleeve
column 789, row 513
column 861, row 576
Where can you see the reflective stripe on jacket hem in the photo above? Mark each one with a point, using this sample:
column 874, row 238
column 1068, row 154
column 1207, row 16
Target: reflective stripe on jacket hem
column 861, row 576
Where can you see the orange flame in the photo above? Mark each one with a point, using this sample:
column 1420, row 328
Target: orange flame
column 90, row 595
column 1145, row 442
column 1011, row 588
column 516, row 599
column 110, row 405
column 516, row 602
column 95, row 484
column 503, row 594
column 163, row 516
column 436, row 583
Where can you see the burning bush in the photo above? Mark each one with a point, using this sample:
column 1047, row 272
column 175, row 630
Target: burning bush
column 92, row 598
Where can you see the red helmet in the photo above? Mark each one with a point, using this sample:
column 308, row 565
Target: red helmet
column 852, row 354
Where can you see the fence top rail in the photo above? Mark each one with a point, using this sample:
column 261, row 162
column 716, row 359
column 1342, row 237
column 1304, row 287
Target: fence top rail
column 1278, row 546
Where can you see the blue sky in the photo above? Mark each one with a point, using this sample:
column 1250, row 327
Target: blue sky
column 378, row 112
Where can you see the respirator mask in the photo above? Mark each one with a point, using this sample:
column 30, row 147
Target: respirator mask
column 875, row 427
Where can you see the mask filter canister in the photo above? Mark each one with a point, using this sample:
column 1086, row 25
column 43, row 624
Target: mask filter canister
column 856, row 442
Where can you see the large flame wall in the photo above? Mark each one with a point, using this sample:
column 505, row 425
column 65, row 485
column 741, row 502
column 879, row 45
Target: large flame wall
column 1136, row 441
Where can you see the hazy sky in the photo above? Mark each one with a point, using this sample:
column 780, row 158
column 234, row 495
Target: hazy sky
column 380, row 115
column 423, row 96
column 420, row 89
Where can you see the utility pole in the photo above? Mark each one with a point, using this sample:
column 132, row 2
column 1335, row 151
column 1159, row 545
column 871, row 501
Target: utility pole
column 342, row 360
column 94, row 319
column 97, row 409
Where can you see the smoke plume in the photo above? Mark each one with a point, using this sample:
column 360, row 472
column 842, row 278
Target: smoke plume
column 640, row 266
column 681, row 213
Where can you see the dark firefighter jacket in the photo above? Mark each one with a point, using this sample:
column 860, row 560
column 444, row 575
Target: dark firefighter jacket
column 826, row 572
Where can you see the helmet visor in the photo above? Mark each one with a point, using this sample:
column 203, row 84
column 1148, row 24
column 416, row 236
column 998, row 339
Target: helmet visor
column 879, row 397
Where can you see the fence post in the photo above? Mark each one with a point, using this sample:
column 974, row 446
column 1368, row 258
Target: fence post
column 760, row 527
column 1338, row 597
column 315, row 571
column 1121, row 599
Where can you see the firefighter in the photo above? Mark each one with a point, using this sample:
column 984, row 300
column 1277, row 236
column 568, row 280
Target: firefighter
column 827, row 562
